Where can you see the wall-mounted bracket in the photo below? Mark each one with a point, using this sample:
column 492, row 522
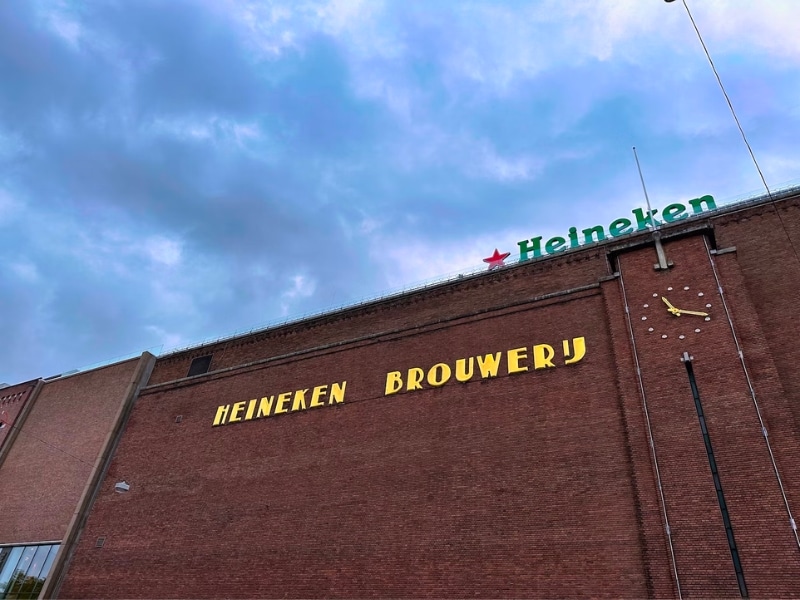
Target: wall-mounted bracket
column 663, row 264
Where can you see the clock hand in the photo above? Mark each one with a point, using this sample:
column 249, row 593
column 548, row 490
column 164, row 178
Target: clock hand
column 693, row 312
column 671, row 309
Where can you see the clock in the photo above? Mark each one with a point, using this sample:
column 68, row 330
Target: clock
column 686, row 310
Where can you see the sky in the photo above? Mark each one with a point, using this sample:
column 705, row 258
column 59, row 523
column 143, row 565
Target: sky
column 176, row 171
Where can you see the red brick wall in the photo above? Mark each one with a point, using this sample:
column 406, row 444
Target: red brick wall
column 518, row 485
column 51, row 459
column 760, row 523
column 12, row 401
column 767, row 242
column 538, row 484
column 657, row 563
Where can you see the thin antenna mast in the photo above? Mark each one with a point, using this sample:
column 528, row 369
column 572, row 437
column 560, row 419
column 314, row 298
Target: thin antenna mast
column 644, row 189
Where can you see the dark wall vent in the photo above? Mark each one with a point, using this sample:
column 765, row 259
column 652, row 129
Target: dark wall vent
column 200, row 365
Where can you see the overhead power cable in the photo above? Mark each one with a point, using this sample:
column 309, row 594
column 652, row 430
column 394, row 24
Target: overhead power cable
column 727, row 98
column 739, row 126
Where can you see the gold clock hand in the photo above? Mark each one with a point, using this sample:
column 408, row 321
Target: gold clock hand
column 670, row 308
column 693, row 312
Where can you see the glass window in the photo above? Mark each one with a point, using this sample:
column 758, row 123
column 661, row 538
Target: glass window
column 23, row 570
column 49, row 561
column 199, row 365
column 38, row 561
column 17, row 584
column 11, row 560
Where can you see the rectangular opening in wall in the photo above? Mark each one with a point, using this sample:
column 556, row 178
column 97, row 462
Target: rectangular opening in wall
column 200, row 365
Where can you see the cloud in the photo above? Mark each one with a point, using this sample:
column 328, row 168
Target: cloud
column 163, row 250
column 175, row 172
column 26, row 271
column 9, row 206
column 416, row 261
column 301, row 287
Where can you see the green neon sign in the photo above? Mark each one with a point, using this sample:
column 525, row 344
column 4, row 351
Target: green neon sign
column 533, row 247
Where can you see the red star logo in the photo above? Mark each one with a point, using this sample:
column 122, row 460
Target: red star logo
column 496, row 259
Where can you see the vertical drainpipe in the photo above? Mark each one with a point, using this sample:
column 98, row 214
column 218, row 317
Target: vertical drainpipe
column 84, row 506
column 687, row 360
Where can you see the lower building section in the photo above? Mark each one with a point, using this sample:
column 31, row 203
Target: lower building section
column 508, row 477
column 55, row 439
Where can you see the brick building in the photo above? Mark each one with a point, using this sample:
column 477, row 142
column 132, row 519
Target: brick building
column 56, row 436
column 620, row 419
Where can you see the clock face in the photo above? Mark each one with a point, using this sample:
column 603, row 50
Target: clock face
column 679, row 312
